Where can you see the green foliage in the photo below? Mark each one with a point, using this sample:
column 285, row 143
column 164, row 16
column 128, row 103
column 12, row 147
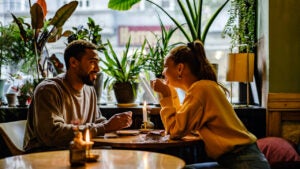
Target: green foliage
column 44, row 30
column 190, row 9
column 26, row 89
column 125, row 68
column 91, row 33
column 157, row 52
column 241, row 24
column 13, row 50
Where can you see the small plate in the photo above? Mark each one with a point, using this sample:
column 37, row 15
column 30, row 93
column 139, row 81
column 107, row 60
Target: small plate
column 128, row 132
column 145, row 130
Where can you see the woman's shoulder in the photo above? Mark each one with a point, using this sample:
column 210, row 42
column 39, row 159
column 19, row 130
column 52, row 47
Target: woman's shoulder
column 204, row 84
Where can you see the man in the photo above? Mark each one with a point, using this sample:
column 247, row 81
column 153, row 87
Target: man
column 61, row 103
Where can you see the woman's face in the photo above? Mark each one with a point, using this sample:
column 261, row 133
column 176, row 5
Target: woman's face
column 170, row 72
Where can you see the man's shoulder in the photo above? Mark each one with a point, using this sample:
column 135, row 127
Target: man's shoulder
column 53, row 82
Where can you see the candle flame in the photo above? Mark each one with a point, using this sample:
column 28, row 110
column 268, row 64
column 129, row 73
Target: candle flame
column 87, row 135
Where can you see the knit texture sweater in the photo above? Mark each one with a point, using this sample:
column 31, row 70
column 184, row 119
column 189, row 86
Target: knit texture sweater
column 207, row 112
column 54, row 107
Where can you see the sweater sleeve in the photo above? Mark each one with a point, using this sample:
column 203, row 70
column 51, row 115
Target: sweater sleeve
column 179, row 123
column 179, row 119
column 49, row 121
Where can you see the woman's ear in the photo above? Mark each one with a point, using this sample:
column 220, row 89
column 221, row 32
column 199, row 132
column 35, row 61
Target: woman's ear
column 180, row 68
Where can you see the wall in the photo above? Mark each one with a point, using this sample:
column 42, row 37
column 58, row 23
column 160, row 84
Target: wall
column 284, row 46
column 279, row 46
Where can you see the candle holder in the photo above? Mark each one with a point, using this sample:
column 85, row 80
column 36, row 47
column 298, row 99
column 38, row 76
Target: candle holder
column 147, row 126
column 144, row 125
column 90, row 157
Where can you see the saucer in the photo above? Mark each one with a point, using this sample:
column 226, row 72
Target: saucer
column 128, row 132
column 145, row 130
column 92, row 157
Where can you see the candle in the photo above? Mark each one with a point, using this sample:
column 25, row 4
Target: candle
column 145, row 112
column 88, row 143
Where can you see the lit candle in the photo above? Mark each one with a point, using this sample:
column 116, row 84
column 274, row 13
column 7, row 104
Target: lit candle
column 145, row 112
column 88, row 142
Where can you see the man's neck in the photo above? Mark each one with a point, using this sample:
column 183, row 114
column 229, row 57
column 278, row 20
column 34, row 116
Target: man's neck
column 74, row 81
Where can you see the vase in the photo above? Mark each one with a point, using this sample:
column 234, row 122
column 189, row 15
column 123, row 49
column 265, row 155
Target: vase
column 2, row 82
column 98, row 86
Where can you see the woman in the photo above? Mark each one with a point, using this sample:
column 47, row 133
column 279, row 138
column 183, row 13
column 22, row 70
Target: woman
column 204, row 111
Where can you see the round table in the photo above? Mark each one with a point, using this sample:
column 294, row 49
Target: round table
column 116, row 159
column 189, row 148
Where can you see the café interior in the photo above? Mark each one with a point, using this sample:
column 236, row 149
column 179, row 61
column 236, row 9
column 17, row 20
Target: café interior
column 275, row 120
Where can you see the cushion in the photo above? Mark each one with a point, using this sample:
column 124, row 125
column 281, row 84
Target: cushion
column 278, row 149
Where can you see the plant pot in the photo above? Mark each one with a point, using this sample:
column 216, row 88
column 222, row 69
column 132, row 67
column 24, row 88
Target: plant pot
column 23, row 100
column 11, row 99
column 98, row 86
column 125, row 92
column 2, row 82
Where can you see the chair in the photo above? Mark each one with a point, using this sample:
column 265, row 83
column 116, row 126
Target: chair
column 13, row 134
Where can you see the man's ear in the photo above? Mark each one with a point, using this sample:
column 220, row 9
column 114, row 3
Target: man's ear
column 73, row 62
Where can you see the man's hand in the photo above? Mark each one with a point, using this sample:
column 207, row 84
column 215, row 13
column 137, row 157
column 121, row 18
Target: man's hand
column 118, row 121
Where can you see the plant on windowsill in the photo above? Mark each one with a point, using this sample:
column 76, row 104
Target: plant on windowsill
column 191, row 11
column 156, row 53
column 44, row 31
column 123, row 72
column 25, row 93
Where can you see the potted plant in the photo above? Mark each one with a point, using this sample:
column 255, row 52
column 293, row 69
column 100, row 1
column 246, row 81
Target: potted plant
column 192, row 13
column 241, row 28
column 44, row 30
column 156, row 53
column 25, row 93
column 123, row 72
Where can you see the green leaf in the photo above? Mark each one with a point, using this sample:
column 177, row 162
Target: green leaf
column 63, row 14
column 21, row 28
column 211, row 21
column 121, row 4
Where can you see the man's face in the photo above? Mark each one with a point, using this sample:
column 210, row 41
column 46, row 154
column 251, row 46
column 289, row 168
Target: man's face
column 88, row 67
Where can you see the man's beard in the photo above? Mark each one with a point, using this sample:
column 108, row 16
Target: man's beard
column 86, row 80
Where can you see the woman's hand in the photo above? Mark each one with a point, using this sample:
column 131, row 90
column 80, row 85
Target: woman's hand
column 159, row 86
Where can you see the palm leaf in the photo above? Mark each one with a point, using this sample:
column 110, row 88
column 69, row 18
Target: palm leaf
column 205, row 31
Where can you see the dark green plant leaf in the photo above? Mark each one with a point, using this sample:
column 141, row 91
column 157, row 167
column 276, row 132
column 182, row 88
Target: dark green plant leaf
column 63, row 14
column 21, row 28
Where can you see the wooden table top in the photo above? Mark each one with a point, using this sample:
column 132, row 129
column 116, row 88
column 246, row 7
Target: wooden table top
column 142, row 141
column 116, row 159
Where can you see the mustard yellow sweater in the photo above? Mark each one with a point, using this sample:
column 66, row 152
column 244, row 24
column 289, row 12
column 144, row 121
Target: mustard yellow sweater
column 207, row 111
